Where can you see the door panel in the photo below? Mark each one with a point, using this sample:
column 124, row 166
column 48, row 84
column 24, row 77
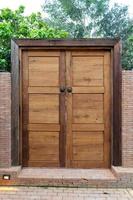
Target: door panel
column 44, row 146
column 43, row 108
column 88, row 109
column 88, row 152
column 91, row 72
column 41, row 114
column 87, row 146
column 37, row 69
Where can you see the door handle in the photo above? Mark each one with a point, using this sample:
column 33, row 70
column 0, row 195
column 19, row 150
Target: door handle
column 69, row 89
column 62, row 89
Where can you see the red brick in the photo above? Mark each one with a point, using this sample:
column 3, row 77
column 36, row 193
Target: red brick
column 5, row 119
column 127, row 118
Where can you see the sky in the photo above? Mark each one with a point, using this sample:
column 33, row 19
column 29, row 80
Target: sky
column 35, row 5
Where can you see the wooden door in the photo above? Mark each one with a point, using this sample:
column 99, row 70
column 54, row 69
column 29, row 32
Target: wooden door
column 69, row 128
column 88, row 109
column 43, row 125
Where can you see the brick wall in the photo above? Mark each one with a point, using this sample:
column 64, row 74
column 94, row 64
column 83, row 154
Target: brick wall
column 5, row 118
column 127, row 119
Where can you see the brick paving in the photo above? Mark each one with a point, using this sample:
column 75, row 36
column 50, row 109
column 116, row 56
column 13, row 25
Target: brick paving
column 54, row 193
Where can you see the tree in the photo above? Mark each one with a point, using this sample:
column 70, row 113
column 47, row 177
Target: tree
column 127, row 54
column 116, row 23
column 93, row 18
column 78, row 17
column 13, row 24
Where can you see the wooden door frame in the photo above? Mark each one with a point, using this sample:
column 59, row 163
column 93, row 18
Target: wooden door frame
column 18, row 45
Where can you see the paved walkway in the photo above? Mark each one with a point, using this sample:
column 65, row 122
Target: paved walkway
column 53, row 193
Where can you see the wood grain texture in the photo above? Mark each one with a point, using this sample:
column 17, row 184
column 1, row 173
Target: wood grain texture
column 91, row 78
column 43, row 108
column 107, row 108
column 87, row 138
column 88, row 53
column 87, row 90
column 20, row 107
column 87, row 108
column 50, row 163
column 62, row 111
column 39, row 66
column 68, row 110
column 82, row 135
column 43, row 146
column 117, row 106
column 44, row 127
column 88, row 152
column 15, row 100
column 88, row 127
column 43, row 90
column 41, row 102
column 73, row 48
column 91, row 72
column 25, row 110
column 95, row 42
column 46, row 53
column 83, row 164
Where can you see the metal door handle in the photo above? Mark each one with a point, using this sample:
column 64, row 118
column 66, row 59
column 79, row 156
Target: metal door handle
column 69, row 89
column 62, row 89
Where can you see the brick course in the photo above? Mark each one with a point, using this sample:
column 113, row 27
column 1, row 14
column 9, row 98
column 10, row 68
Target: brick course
column 5, row 119
column 127, row 119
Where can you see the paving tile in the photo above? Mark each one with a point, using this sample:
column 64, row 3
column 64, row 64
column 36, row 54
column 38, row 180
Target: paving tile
column 54, row 193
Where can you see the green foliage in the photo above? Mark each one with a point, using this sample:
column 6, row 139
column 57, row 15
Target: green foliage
column 78, row 17
column 13, row 24
column 93, row 18
column 127, row 54
column 81, row 18
column 116, row 23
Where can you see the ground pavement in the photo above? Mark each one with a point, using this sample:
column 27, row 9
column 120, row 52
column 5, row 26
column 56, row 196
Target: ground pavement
column 54, row 193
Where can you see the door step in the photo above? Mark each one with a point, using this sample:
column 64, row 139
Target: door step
column 66, row 177
column 66, row 174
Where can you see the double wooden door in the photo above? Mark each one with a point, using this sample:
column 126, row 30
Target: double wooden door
column 66, row 108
